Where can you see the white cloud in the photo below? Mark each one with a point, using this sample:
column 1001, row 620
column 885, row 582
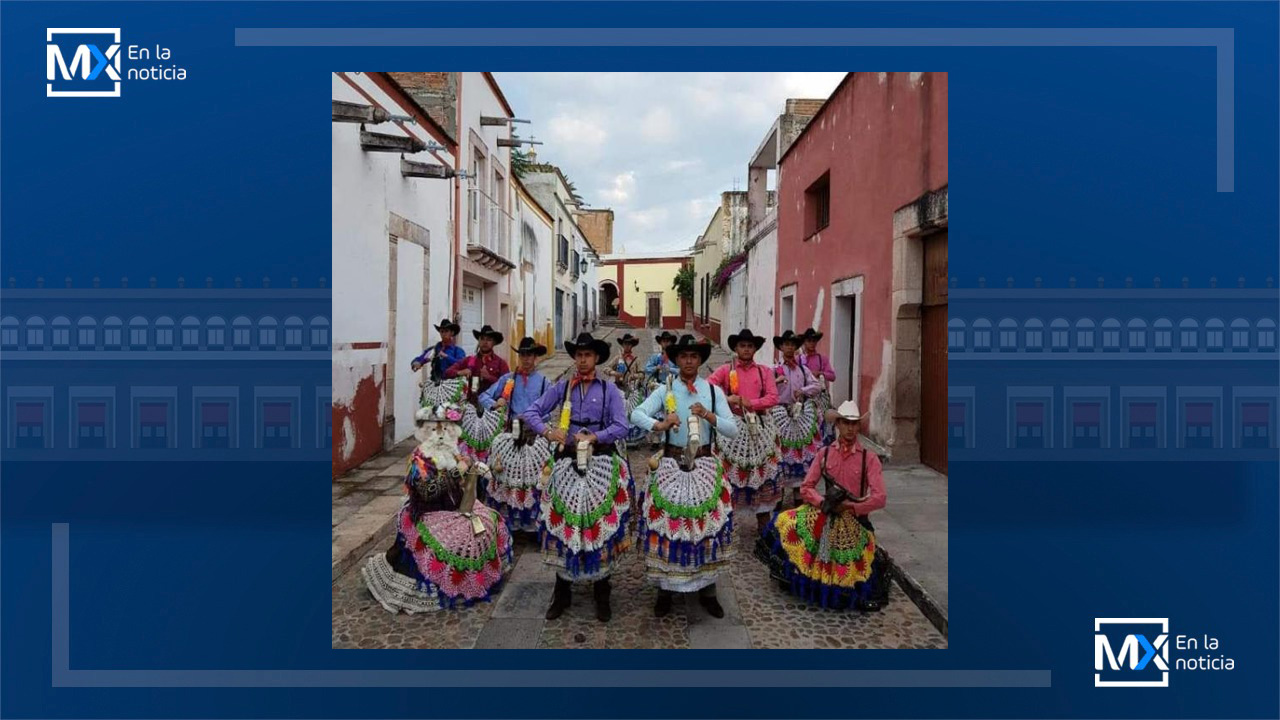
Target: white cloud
column 682, row 165
column 658, row 125
column 645, row 219
column 810, row 85
column 576, row 130
column 614, row 134
column 624, row 186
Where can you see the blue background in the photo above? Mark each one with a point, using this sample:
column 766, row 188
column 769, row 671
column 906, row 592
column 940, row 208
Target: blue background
column 1065, row 162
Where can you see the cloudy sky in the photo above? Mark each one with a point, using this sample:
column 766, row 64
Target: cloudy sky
column 658, row 148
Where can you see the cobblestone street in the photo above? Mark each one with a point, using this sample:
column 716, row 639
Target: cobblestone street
column 758, row 614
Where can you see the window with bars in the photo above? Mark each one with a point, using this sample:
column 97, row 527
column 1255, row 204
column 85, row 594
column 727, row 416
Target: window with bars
column 817, row 205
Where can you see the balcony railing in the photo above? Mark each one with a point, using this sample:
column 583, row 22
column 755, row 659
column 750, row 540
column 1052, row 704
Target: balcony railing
column 490, row 225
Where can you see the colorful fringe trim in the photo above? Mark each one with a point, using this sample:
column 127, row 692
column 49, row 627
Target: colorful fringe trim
column 588, row 538
column 835, row 573
column 458, row 578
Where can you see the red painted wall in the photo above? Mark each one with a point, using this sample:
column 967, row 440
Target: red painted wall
column 884, row 143
column 366, row 423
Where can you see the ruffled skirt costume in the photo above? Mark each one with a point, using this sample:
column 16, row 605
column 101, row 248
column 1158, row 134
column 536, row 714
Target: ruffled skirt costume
column 686, row 524
column 518, row 465
column 441, row 558
column 827, row 560
column 799, row 439
column 583, row 516
column 751, row 463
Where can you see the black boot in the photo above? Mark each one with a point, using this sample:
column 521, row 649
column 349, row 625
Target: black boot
column 601, row 590
column 561, row 596
column 707, row 598
column 663, row 607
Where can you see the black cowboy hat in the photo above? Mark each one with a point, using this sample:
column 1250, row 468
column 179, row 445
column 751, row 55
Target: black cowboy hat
column 748, row 336
column 529, row 346
column 629, row 339
column 788, row 336
column 686, row 343
column 490, row 332
column 586, row 342
column 447, row 324
column 666, row 335
column 811, row 334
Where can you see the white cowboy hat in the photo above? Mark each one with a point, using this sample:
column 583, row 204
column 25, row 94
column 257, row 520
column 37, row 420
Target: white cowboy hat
column 848, row 410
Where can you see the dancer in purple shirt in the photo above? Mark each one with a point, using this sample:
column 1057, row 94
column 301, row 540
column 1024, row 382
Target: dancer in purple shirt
column 587, row 499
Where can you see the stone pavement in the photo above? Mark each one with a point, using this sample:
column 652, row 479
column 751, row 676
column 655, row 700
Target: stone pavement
column 912, row 529
column 757, row 613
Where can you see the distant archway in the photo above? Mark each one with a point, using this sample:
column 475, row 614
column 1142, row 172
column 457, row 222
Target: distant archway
column 609, row 293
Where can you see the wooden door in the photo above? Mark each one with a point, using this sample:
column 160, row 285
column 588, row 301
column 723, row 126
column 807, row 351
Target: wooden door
column 655, row 312
column 933, row 355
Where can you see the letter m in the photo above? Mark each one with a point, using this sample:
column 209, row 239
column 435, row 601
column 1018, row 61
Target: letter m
column 1129, row 649
column 81, row 60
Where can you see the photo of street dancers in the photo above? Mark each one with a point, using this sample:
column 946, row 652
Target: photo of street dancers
column 732, row 437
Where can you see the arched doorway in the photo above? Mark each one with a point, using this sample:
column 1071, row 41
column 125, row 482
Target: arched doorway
column 609, row 296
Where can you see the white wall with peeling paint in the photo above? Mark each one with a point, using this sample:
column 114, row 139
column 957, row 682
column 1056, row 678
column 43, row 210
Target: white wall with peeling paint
column 367, row 188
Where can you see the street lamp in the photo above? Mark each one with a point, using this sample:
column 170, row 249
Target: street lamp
column 582, row 267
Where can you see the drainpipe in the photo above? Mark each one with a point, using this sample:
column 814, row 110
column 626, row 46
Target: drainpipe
column 456, row 280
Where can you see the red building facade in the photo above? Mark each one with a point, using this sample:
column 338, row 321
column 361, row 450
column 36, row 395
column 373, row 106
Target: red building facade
column 862, row 227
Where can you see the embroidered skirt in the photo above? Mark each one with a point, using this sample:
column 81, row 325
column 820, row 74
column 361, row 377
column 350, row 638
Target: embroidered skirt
column 584, row 516
column 513, row 492
column 751, row 464
column 479, row 431
column 686, row 524
column 832, row 562
column 441, row 560
column 798, row 441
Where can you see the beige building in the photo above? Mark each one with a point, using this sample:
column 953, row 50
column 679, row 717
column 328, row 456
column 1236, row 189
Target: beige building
column 723, row 238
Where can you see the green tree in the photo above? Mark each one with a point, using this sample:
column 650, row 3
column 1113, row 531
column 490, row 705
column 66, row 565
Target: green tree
column 683, row 283
column 520, row 163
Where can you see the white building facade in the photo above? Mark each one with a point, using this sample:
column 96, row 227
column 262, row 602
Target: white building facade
column 423, row 226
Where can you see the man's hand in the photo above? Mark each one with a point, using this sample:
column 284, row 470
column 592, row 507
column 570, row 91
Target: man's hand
column 781, row 380
column 584, row 436
column 415, row 366
column 500, row 402
column 670, row 421
column 464, row 373
column 556, row 435
column 699, row 410
column 735, row 399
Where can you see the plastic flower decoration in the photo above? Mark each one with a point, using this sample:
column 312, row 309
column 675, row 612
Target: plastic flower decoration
column 508, row 387
column 453, row 414
column 733, row 382
column 671, row 401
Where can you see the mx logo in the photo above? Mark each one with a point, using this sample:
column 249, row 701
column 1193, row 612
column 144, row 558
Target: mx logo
column 82, row 62
column 1142, row 657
